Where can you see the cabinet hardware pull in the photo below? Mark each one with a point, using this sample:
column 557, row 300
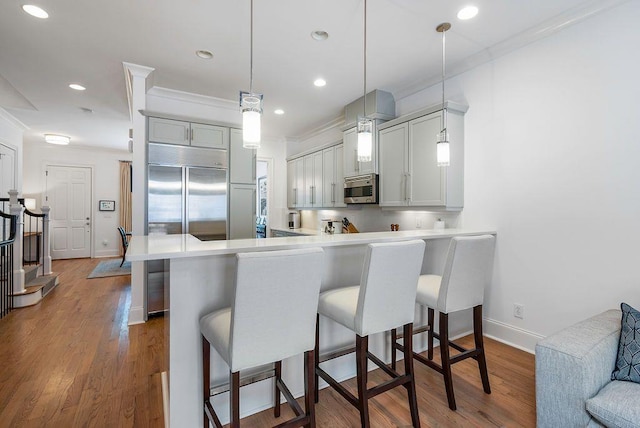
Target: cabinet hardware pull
column 333, row 192
column 355, row 160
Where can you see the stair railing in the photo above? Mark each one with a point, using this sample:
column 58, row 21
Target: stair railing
column 7, row 238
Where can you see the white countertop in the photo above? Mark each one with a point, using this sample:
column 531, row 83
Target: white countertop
column 156, row 247
column 299, row 231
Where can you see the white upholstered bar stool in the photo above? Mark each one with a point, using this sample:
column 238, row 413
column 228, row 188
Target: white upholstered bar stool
column 272, row 317
column 461, row 286
column 385, row 299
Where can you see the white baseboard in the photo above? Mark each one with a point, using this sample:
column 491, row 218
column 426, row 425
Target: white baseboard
column 106, row 253
column 136, row 315
column 513, row 336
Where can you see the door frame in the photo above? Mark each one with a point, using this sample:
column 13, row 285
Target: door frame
column 17, row 176
column 44, row 195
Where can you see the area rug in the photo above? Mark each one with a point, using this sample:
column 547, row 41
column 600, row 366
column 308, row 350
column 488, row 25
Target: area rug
column 110, row 268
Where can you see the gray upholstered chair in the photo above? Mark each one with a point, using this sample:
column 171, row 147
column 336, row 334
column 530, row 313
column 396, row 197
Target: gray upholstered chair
column 272, row 317
column 385, row 299
column 466, row 273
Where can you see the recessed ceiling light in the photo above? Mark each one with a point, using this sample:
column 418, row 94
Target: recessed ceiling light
column 62, row 140
column 35, row 11
column 320, row 82
column 204, row 54
column 77, row 87
column 279, row 111
column 319, row 35
column 467, row 12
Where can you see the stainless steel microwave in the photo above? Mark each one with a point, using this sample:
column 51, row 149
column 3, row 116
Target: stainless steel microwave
column 362, row 189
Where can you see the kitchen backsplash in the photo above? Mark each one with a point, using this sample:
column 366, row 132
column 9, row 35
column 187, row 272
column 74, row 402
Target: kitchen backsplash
column 374, row 219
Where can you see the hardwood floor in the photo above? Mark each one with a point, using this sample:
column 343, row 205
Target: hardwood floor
column 72, row 361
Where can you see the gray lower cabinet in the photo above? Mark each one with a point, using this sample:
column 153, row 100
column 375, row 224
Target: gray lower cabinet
column 242, row 211
column 409, row 174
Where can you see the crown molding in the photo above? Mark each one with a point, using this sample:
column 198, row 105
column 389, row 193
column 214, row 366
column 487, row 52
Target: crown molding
column 12, row 119
column 545, row 29
column 193, row 98
column 337, row 123
column 131, row 71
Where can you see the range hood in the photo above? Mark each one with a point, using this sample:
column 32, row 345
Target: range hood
column 380, row 105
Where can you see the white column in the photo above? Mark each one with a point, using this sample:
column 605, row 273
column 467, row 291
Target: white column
column 136, row 78
column 46, row 239
column 18, row 272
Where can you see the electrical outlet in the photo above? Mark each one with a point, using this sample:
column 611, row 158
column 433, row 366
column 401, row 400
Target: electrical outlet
column 518, row 311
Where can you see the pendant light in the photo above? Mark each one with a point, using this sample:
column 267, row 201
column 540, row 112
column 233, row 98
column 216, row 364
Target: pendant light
column 365, row 126
column 251, row 107
column 442, row 145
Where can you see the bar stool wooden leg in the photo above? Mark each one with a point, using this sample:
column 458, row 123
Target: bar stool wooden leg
column 278, row 376
column 482, row 361
column 394, row 340
column 310, row 387
column 408, row 369
column 316, row 352
column 446, row 359
column 234, row 389
column 361, row 370
column 206, row 377
column 430, row 316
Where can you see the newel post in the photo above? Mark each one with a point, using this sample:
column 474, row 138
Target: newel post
column 46, row 235
column 16, row 209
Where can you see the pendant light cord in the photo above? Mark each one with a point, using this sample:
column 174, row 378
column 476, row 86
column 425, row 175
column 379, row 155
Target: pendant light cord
column 364, row 102
column 251, row 53
column 444, row 111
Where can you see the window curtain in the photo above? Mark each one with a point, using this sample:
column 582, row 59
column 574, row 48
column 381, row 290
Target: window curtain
column 125, row 195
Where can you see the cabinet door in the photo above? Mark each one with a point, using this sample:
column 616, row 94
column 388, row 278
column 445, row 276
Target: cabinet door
column 300, row 189
column 317, row 193
column 210, row 136
column 242, row 162
column 329, row 177
column 350, row 143
column 308, row 181
column 339, row 174
column 168, row 131
column 291, row 184
column 427, row 179
column 242, row 211
column 393, row 165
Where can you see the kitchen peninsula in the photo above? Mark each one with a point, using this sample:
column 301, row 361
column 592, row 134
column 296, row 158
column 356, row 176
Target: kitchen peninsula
column 201, row 281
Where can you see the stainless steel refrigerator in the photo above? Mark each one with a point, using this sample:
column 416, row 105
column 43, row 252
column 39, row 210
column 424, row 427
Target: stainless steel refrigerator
column 186, row 193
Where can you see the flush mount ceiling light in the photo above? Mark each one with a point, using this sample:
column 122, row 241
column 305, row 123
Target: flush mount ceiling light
column 35, row 11
column 77, row 87
column 319, row 35
column 204, row 54
column 467, row 12
column 279, row 111
column 61, row 140
column 442, row 145
column 320, row 82
column 365, row 126
column 251, row 106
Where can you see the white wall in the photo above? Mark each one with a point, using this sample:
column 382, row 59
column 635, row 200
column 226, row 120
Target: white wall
column 106, row 185
column 11, row 132
column 552, row 161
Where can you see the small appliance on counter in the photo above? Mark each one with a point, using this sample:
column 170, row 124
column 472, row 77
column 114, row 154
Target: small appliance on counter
column 330, row 226
column 294, row 220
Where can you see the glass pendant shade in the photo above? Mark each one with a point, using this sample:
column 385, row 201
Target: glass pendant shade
column 365, row 140
column 442, row 149
column 251, row 106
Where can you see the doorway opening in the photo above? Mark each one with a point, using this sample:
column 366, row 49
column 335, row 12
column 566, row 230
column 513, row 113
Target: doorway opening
column 263, row 184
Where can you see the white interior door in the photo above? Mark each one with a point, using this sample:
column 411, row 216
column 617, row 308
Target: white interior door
column 7, row 170
column 69, row 196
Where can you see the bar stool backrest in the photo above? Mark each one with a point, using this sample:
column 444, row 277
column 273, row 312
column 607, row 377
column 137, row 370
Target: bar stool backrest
column 273, row 313
column 466, row 273
column 388, row 286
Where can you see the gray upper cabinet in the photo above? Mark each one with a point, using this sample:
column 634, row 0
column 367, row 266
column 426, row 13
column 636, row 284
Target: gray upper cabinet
column 242, row 162
column 170, row 131
column 333, row 177
column 409, row 174
column 351, row 165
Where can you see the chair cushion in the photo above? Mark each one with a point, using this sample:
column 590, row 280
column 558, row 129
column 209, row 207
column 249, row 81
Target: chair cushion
column 628, row 361
column 617, row 405
column 216, row 328
column 428, row 290
column 340, row 305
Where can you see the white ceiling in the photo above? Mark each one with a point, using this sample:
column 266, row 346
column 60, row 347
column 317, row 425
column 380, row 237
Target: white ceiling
column 87, row 42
